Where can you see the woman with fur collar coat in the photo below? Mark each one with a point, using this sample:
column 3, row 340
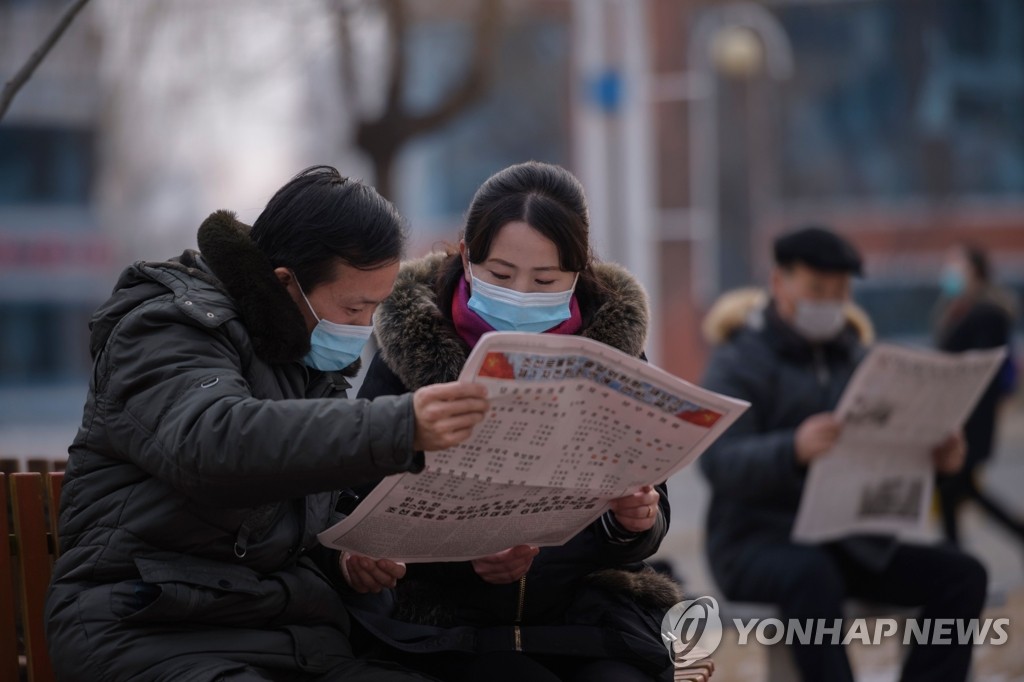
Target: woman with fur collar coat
column 524, row 264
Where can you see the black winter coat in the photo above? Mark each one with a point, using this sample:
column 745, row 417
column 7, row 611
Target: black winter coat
column 971, row 323
column 755, row 480
column 203, row 470
column 419, row 346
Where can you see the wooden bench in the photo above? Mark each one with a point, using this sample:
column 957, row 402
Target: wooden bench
column 29, row 507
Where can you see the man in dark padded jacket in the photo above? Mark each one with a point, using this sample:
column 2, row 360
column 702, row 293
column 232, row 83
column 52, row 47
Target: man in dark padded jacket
column 214, row 434
column 790, row 357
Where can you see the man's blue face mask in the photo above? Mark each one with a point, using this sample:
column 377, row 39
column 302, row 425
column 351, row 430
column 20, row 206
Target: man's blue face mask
column 333, row 347
column 507, row 310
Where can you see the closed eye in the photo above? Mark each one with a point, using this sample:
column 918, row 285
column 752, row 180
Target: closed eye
column 502, row 277
column 544, row 282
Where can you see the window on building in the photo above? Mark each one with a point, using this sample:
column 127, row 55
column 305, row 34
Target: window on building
column 43, row 342
column 45, row 165
column 898, row 100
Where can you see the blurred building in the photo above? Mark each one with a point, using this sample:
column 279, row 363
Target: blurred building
column 897, row 123
column 700, row 128
column 55, row 262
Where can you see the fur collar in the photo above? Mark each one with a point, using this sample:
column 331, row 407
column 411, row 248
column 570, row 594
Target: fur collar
column 745, row 307
column 276, row 327
column 421, row 346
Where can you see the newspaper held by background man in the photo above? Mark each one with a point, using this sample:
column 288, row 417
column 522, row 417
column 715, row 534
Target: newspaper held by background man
column 899, row 405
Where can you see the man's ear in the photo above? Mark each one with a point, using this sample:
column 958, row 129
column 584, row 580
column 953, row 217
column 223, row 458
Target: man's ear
column 284, row 276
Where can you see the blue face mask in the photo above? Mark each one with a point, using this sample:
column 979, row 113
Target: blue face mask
column 334, row 346
column 952, row 282
column 512, row 311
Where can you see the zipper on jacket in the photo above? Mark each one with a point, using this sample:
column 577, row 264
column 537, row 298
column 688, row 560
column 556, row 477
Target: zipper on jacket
column 519, row 614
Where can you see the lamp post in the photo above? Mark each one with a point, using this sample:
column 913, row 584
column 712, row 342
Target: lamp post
column 738, row 40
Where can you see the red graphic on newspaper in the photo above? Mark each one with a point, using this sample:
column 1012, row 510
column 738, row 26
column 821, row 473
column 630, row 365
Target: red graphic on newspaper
column 497, row 366
column 701, row 416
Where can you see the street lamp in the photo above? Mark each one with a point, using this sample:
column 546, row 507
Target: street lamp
column 740, row 39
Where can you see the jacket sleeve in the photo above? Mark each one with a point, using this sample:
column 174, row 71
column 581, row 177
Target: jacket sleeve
column 747, row 461
column 177, row 405
column 609, row 548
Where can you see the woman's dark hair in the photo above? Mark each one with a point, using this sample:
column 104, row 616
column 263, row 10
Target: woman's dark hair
column 977, row 258
column 546, row 197
column 319, row 218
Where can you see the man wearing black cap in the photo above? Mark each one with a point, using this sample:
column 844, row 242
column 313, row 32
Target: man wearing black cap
column 791, row 359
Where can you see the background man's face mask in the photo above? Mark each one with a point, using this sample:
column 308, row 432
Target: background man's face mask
column 820, row 320
column 952, row 281
column 508, row 310
column 333, row 347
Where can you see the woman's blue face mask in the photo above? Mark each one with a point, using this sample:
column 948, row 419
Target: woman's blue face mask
column 333, row 347
column 508, row 310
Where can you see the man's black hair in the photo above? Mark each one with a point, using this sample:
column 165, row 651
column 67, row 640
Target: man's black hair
column 320, row 218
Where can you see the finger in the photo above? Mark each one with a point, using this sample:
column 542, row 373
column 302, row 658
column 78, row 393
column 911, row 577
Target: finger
column 357, row 580
column 343, row 560
column 395, row 569
column 454, row 408
column 636, row 500
column 373, row 576
column 455, row 390
column 464, row 422
column 520, row 552
column 443, row 441
column 508, row 573
column 503, row 577
column 496, row 575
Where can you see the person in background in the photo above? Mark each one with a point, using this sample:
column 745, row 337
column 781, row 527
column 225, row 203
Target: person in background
column 790, row 354
column 215, row 433
column 971, row 314
column 558, row 613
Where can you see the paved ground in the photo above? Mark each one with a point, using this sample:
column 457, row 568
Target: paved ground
column 1004, row 559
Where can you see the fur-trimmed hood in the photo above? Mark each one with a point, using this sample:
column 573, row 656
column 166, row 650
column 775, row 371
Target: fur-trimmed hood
column 228, row 278
column 421, row 346
column 276, row 326
column 738, row 308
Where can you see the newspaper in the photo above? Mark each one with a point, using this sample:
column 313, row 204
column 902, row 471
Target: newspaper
column 573, row 424
column 899, row 404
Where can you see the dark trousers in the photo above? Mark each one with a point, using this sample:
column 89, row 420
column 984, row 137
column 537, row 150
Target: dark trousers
column 510, row 666
column 961, row 487
column 813, row 581
column 224, row 670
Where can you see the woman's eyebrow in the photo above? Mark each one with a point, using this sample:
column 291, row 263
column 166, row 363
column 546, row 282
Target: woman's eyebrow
column 545, row 268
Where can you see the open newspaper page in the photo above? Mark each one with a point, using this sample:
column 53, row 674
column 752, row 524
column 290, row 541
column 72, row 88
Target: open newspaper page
column 573, row 424
column 898, row 406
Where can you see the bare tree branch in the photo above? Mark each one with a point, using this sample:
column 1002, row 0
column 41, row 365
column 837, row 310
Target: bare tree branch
column 396, row 14
column 384, row 136
column 23, row 74
column 474, row 84
column 347, row 55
